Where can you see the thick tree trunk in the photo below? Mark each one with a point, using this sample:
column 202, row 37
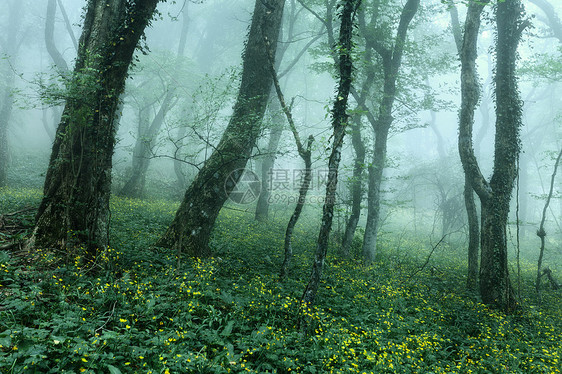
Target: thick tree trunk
column 391, row 60
column 495, row 286
column 339, row 122
column 190, row 230
column 74, row 211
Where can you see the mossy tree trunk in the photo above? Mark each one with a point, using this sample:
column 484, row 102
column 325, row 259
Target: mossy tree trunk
column 191, row 228
column 339, row 123
column 74, row 212
column 495, row 195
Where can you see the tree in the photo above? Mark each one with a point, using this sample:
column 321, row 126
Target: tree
column 74, row 211
column 339, row 124
column 191, row 228
column 467, row 49
column 495, row 195
column 10, row 43
column 135, row 185
column 391, row 61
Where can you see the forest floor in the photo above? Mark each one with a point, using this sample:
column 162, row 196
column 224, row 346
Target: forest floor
column 138, row 310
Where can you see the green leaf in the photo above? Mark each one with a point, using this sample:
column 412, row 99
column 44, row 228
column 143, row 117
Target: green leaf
column 113, row 369
column 228, row 329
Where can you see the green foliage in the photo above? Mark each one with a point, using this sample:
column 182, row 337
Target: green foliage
column 141, row 313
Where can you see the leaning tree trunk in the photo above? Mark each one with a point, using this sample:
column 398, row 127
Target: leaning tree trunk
column 339, row 122
column 391, row 60
column 306, row 155
column 74, row 211
column 191, row 228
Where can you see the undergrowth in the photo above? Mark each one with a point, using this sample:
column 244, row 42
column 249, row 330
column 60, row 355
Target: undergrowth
column 145, row 312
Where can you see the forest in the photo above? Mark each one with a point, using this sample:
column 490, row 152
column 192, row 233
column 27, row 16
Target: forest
column 275, row 186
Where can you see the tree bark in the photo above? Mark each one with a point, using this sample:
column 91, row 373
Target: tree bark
column 306, row 155
column 262, row 206
column 391, row 61
column 191, row 228
column 472, row 28
column 339, row 122
column 356, row 187
column 495, row 285
column 74, row 212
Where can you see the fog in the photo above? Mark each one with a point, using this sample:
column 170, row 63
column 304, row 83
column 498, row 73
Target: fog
column 423, row 168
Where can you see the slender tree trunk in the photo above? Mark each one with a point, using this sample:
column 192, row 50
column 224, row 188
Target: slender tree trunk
column 339, row 122
column 356, row 187
column 391, row 60
column 74, row 211
column 306, row 155
column 472, row 27
column 191, row 228
column 10, row 45
column 541, row 233
column 262, row 206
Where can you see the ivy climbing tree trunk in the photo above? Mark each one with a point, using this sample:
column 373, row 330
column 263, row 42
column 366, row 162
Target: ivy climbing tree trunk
column 191, row 228
column 495, row 195
column 391, row 61
column 339, row 123
column 74, row 212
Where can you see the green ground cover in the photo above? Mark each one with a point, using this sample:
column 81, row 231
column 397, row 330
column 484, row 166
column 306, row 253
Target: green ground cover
column 138, row 310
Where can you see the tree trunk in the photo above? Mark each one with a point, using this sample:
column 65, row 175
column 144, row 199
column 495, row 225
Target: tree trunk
column 190, row 230
column 10, row 45
column 471, row 37
column 339, row 121
column 541, row 233
column 262, row 207
column 74, row 211
column 495, row 286
column 356, row 187
column 473, row 236
column 391, row 60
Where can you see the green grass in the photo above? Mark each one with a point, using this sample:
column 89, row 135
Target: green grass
column 230, row 313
